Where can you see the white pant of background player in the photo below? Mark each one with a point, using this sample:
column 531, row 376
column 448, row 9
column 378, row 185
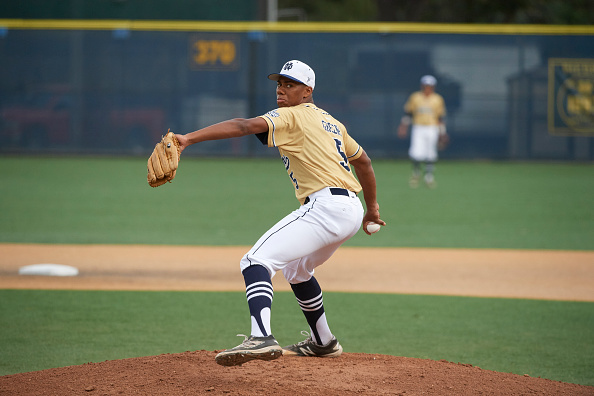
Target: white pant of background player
column 308, row 236
column 423, row 143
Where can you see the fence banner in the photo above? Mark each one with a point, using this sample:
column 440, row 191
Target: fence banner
column 571, row 97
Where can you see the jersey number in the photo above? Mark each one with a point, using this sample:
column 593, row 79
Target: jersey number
column 287, row 164
column 345, row 162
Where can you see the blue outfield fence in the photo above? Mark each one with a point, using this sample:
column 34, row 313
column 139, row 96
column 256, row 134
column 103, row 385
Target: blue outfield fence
column 512, row 92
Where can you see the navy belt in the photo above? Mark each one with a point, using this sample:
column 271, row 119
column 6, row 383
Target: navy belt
column 333, row 191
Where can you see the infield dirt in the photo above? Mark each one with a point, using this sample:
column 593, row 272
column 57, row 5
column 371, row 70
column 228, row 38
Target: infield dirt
column 555, row 275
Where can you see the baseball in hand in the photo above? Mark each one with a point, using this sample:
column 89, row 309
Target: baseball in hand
column 372, row 228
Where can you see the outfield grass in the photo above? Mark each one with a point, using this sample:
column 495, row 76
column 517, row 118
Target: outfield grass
column 549, row 339
column 232, row 202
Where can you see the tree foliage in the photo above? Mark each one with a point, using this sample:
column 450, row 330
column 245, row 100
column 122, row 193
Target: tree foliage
column 556, row 12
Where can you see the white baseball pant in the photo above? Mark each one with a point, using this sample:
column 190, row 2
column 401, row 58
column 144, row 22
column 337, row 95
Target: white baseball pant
column 308, row 236
column 423, row 143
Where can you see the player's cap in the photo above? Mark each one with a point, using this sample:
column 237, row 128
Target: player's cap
column 428, row 80
column 298, row 71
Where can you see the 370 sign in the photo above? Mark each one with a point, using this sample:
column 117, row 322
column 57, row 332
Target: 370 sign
column 214, row 53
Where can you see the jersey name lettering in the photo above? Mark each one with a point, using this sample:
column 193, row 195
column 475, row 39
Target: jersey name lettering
column 328, row 127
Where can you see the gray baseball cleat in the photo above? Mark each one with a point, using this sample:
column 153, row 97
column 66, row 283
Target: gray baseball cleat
column 262, row 348
column 430, row 180
column 309, row 347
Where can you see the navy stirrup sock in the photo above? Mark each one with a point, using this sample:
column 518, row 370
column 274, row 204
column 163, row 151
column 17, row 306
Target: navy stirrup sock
column 309, row 297
column 259, row 293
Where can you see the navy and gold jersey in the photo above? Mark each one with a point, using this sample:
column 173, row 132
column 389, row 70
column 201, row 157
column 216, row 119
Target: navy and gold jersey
column 315, row 148
column 425, row 110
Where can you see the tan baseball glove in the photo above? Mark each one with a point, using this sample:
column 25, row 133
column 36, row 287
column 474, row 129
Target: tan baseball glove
column 164, row 161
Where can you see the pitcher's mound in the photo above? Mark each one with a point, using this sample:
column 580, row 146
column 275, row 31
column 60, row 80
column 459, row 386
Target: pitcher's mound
column 196, row 373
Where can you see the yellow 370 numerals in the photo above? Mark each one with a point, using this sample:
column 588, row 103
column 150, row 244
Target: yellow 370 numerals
column 214, row 54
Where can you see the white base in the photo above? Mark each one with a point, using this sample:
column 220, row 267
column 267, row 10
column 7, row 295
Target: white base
column 48, row 270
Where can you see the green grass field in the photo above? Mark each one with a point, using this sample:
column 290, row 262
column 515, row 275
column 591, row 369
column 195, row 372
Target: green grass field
column 231, row 202
column 549, row 339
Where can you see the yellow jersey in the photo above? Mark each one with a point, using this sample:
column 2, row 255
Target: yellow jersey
column 425, row 110
column 315, row 148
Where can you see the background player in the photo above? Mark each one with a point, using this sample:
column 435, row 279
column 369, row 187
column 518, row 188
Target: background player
column 426, row 110
column 317, row 152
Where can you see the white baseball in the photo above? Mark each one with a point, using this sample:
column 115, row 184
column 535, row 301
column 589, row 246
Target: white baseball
column 373, row 227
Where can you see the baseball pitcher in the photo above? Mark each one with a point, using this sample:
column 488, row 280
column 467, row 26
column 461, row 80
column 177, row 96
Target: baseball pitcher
column 317, row 153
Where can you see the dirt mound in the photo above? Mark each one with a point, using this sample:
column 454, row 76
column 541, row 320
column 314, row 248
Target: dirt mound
column 193, row 373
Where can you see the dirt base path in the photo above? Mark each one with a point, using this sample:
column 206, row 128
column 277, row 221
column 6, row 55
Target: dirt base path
column 559, row 275
column 556, row 275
